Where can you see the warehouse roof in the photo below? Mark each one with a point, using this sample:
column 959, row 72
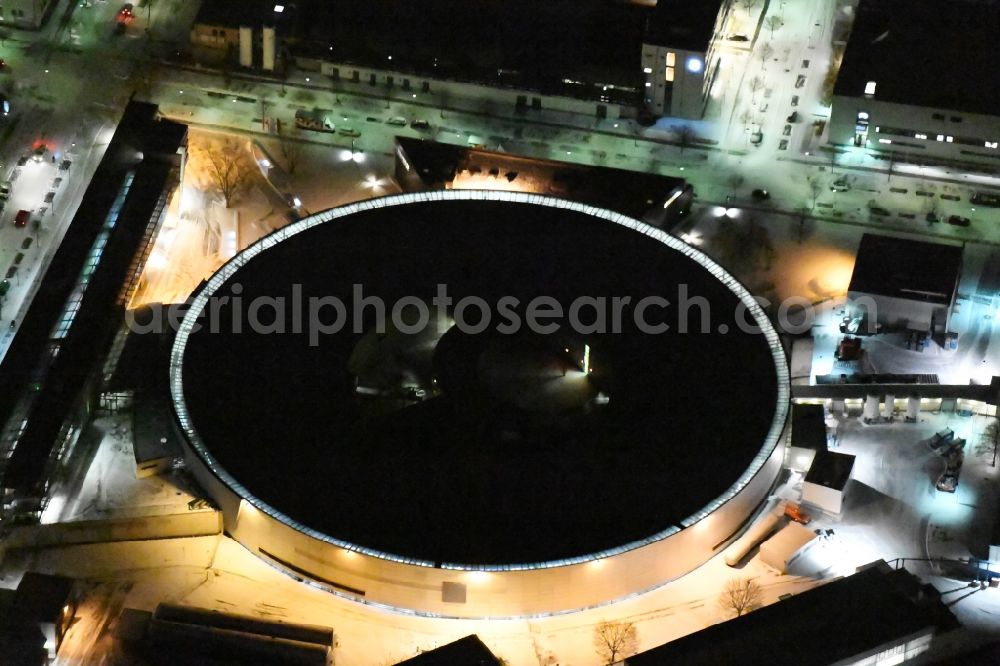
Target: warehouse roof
column 925, row 53
column 827, row 624
column 909, row 269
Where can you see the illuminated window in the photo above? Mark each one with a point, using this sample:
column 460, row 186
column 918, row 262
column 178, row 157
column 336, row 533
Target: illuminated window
column 949, row 139
column 991, row 144
column 920, row 136
column 671, row 59
column 278, row 9
column 670, row 74
column 647, row 70
column 870, row 88
column 940, row 137
column 863, row 115
column 885, row 140
column 648, row 84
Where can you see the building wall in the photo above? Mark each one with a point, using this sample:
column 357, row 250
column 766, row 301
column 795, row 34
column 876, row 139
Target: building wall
column 457, row 94
column 916, row 134
column 825, row 498
column 900, row 312
column 23, row 13
column 677, row 81
column 488, row 593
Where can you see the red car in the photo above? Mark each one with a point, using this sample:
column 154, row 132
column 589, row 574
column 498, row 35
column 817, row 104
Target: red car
column 22, row 217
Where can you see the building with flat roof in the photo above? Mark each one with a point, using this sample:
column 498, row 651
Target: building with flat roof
column 432, row 420
column 490, row 53
column 808, row 435
column 905, row 284
column 916, row 84
column 877, row 615
column 53, row 371
column 679, row 56
column 429, row 165
column 827, row 479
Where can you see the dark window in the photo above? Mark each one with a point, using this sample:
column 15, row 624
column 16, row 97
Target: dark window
column 956, row 119
column 356, row 76
column 406, row 84
column 937, row 116
column 425, row 86
column 536, row 103
column 388, row 81
column 372, row 80
column 335, row 74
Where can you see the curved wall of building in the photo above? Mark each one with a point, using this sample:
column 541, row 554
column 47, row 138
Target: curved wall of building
column 510, row 590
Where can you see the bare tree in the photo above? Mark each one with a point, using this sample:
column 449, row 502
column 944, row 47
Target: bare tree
column 685, row 137
column 615, row 639
column 815, row 187
column 748, row 4
column 772, row 23
column 291, row 152
column 227, row 167
column 740, row 596
column 756, row 83
column 765, row 53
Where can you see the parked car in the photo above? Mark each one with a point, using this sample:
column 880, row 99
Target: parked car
column 795, row 100
column 959, row 221
column 761, row 195
column 22, row 217
column 783, row 144
column 840, row 185
column 800, row 81
column 786, row 130
column 348, row 131
column 757, row 138
column 397, row 121
column 5, row 189
column 793, row 117
column 421, row 125
column 881, row 212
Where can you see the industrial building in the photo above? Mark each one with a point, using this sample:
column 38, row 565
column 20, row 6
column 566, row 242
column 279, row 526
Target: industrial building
column 421, row 422
column 875, row 616
column 827, row 479
column 468, row 651
column 651, row 198
column 35, row 617
column 55, row 369
column 620, row 58
column 904, row 284
column 911, row 94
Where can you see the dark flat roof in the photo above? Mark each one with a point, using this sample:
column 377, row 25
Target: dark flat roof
column 468, row 651
column 809, row 427
column 497, row 42
column 630, row 192
column 41, row 597
column 830, row 469
column 926, row 53
column 683, row 24
column 824, row 625
column 144, row 146
column 901, row 268
column 471, row 474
